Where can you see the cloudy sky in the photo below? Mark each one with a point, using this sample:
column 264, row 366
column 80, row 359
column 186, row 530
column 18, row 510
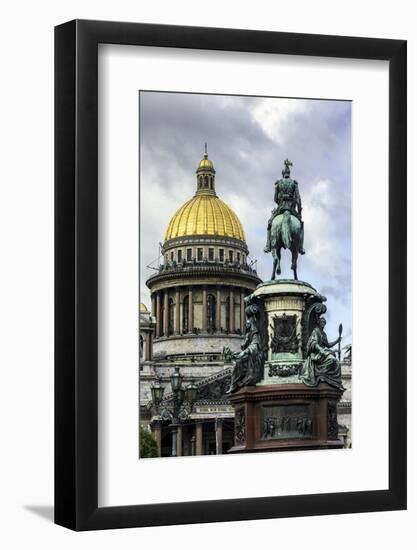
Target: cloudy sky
column 248, row 139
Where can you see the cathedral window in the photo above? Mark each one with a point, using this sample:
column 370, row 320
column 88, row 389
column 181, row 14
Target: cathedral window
column 227, row 313
column 189, row 254
column 172, row 256
column 200, row 254
column 230, row 255
column 171, row 316
column 179, row 256
column 221, row 254
column 185, row 315
column 238, row 257
column 211, row 313
column 161, row 317
column 211, row 254
column 141, row 346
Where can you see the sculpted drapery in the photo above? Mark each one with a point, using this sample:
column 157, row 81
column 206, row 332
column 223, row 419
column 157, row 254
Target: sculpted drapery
column 321, row 364
column 248, row 369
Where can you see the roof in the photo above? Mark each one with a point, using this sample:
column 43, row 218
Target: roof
column 205, row 215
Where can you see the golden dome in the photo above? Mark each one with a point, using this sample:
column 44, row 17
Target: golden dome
column 205, row 164
column 143, row 308
column 205, row 215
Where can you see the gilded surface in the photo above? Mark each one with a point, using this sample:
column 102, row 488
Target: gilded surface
column 205, row 215
column 205, row 164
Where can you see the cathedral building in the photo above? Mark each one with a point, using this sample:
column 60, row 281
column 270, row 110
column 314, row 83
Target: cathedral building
column 197, row 295
column 197, row 298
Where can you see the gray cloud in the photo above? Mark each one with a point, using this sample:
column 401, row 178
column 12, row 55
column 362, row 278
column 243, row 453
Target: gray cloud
column 248, row 139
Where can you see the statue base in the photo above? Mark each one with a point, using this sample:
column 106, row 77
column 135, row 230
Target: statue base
column 286, row 304
column 285, row 417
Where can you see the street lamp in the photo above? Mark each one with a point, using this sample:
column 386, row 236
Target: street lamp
column 157, row 392
column 191, row 392
column 179, row 408
column 176, row 380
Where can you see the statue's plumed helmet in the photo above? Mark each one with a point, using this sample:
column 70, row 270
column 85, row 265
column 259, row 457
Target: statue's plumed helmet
column 286, row 171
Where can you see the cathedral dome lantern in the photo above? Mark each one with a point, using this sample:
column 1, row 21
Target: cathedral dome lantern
column 206, row 175
column 205, row 214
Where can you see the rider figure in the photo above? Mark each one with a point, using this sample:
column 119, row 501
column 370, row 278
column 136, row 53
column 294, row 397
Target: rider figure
column 287, row 198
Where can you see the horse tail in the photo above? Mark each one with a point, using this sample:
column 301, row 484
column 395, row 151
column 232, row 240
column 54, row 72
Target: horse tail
column 286, row 230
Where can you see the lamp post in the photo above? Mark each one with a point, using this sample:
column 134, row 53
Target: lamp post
column 179, row 408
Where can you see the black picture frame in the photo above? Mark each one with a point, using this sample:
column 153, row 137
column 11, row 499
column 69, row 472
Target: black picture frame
column 76, row 271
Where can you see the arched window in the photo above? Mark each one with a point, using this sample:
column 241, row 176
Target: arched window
column 228, row 314
column 171, row 316
column 205, row 181
column 185, row 315
column 211, row 313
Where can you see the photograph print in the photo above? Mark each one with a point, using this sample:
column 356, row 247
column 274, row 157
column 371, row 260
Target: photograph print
column 245, row 310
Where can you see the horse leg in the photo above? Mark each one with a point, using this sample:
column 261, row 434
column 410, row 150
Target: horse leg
column 279, row 261
column 294, row 254
column 274, row 266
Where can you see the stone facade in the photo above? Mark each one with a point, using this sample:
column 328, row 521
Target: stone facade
column 344, row 409
column 147, row 326
column 195, row 345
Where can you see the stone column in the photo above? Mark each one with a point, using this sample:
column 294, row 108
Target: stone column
column 158, row 315
column 153, row 298
column 166, row 311
column 190, row 310
column 179, row 440
column 177, row 310
column 204, row 309
column 157, row 432
column 232, row 310
column 218, row 308
column 242, row 310
column 219, row 435
column 199, row 437
column 192, row 445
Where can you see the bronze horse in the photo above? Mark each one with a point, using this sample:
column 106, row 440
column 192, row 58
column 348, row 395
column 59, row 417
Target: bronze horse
column 287, row 233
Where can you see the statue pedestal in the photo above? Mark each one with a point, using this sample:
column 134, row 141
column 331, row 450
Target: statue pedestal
column 286, row 304
column 285, row 417
column 280, row 412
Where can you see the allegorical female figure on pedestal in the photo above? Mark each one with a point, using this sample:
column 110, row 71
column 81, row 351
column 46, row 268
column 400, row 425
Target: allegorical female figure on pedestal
column 249, row 366
column 321, row 364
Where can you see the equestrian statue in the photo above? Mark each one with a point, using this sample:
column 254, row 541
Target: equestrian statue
column 285, row 226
